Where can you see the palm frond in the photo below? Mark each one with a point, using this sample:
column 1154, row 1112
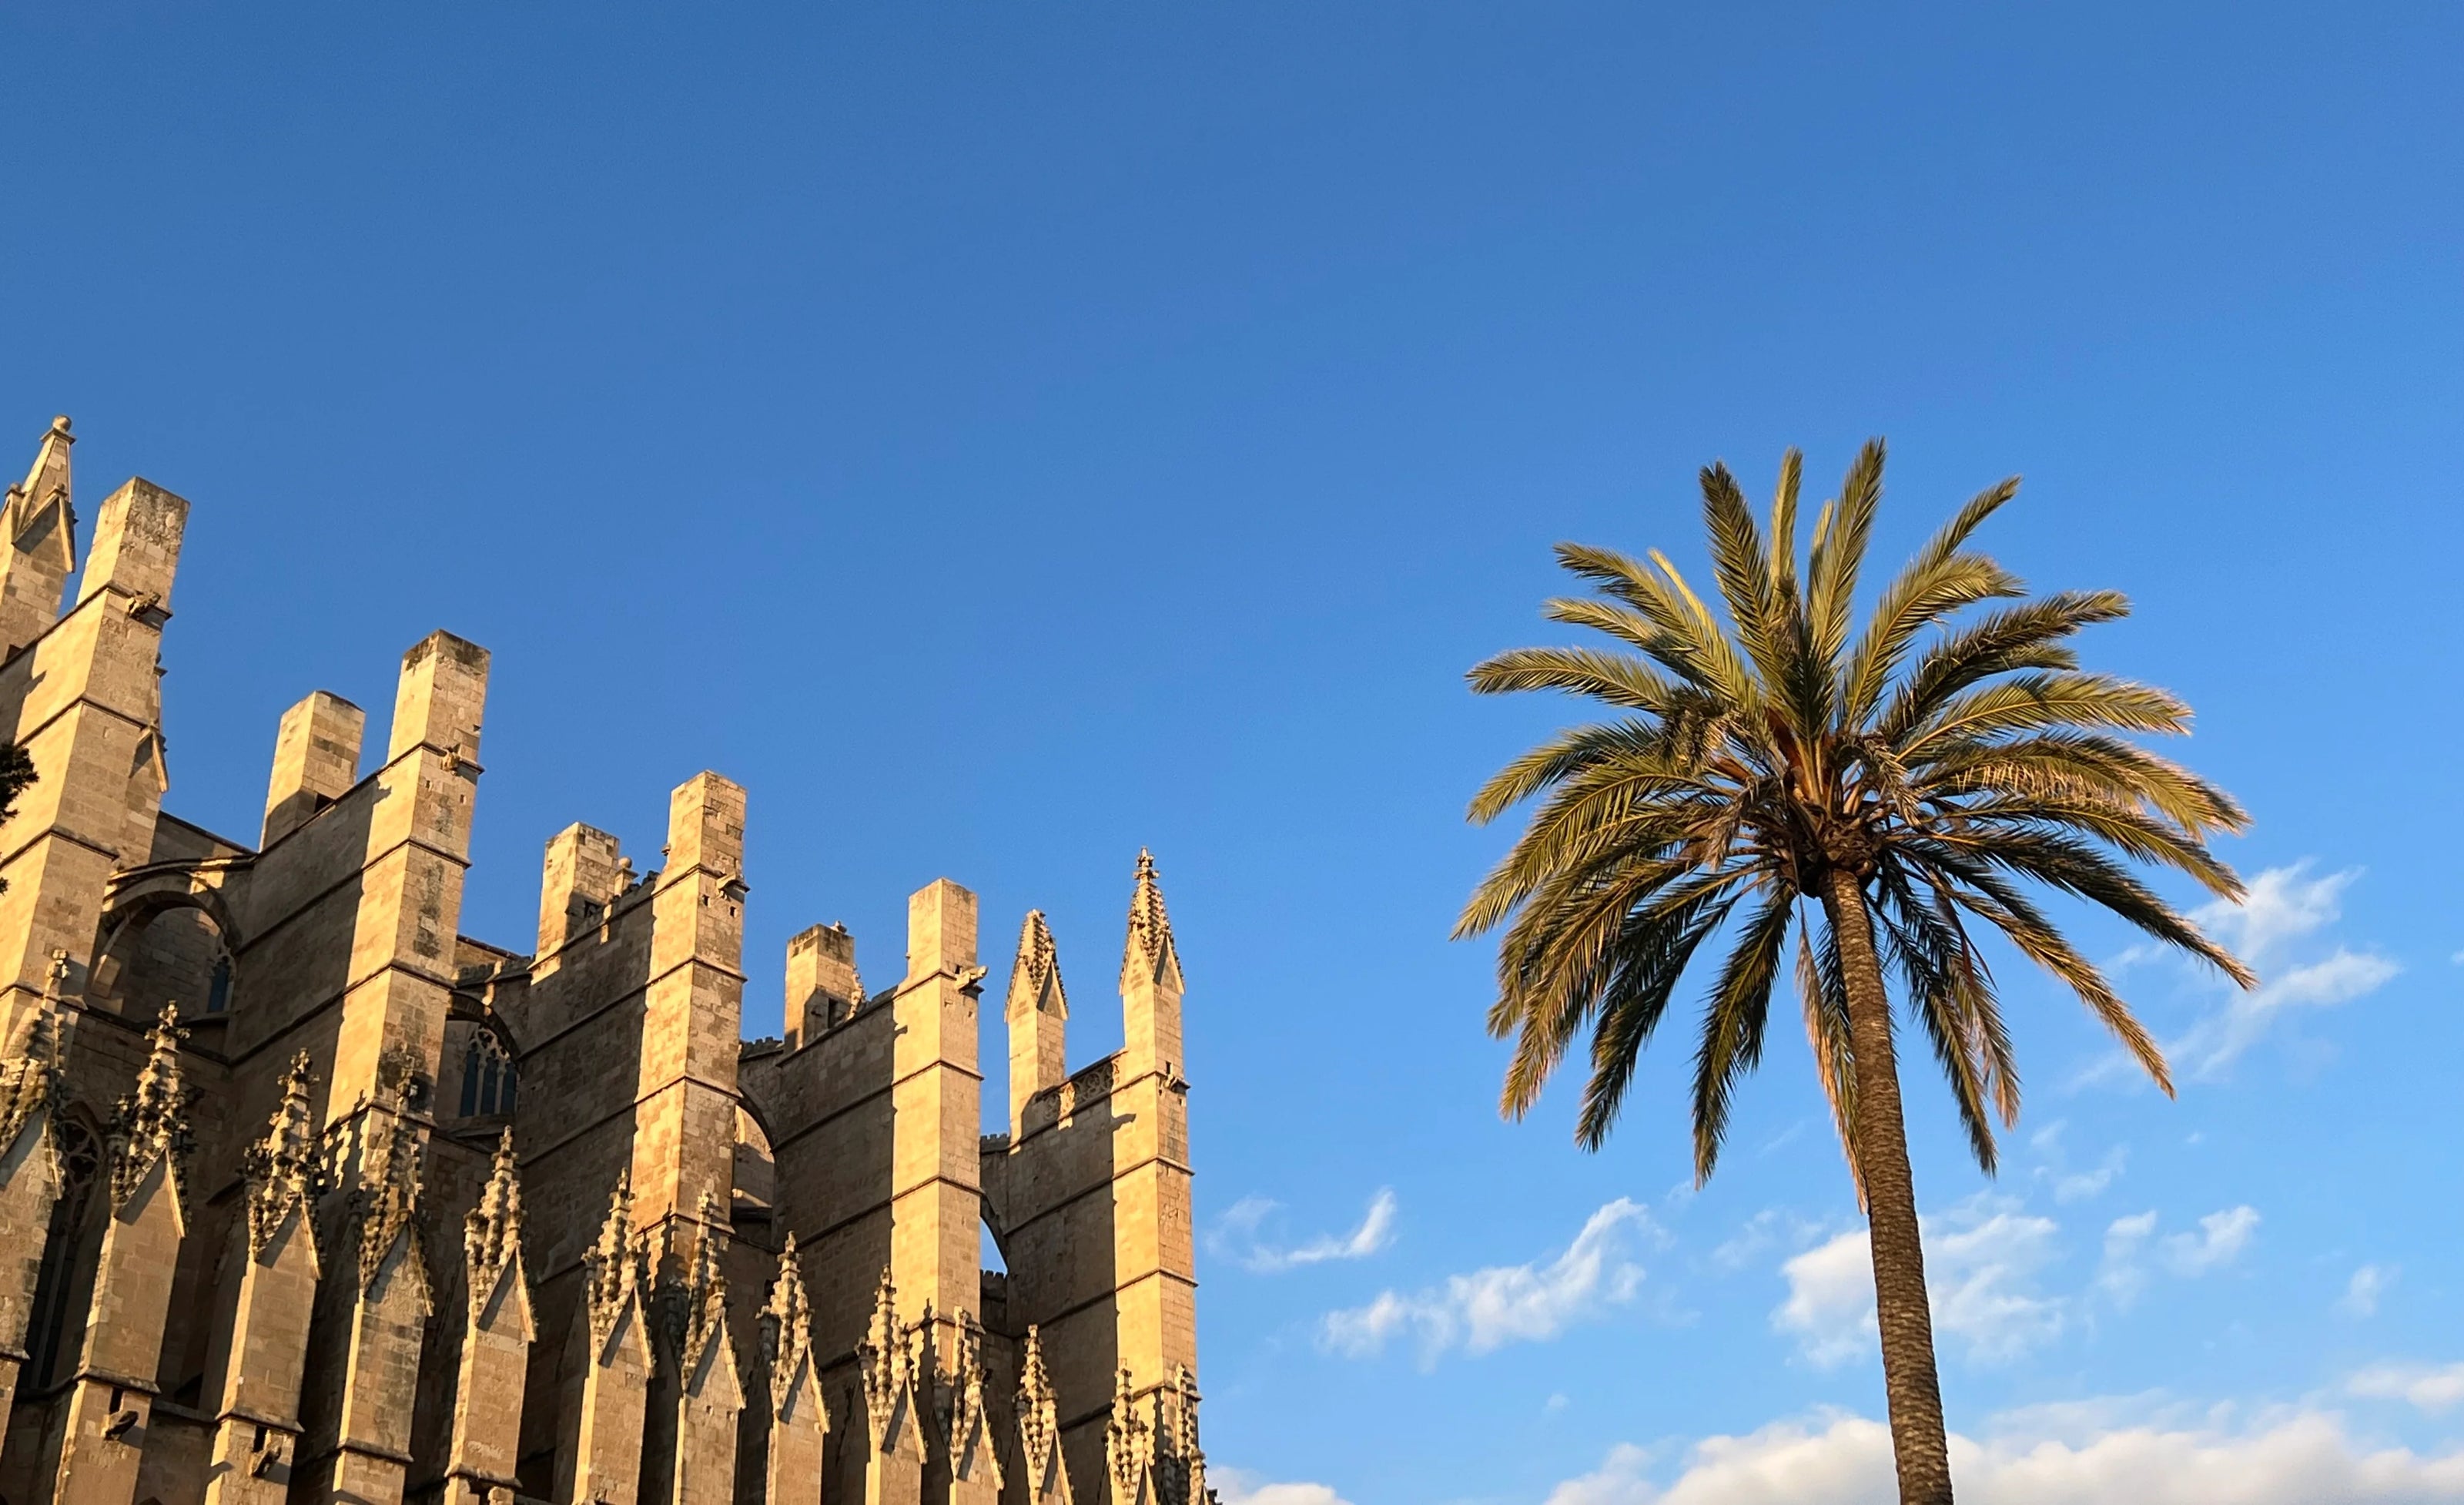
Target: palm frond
column 1823, row 992
column 1732, row 1031
column 1839, row 552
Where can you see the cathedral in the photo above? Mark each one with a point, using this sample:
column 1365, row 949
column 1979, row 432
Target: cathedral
column 307, row 1197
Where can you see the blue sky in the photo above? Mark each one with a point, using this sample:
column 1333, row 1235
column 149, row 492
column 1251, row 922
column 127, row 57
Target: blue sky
column 1004, row 438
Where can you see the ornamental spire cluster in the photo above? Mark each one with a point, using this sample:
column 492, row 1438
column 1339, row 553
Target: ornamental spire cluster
column 786, row 1328
column 284, row 1170
column 1150, row 954
column 150, row 1125
column 615, row 1268
column 30, row 1077
column 1039, row 1425
column 492, row 1235
column 1035, row 981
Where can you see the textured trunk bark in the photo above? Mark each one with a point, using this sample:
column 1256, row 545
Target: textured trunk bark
column 1918, row 1444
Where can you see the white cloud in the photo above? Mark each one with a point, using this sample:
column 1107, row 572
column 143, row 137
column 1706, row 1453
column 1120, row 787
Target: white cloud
column 1507, row 1303
column 1238, row 1236
column 1239, row 1487
column 1765, row 1231
column 2080, row 1186
column 2302, row 1457
column 2283, row 905
column 2433, row 1387
column 1620, row 1479
column 2362, row 1293
column 1982, row 1260
column 2221, row 1238
column 2122, row 1276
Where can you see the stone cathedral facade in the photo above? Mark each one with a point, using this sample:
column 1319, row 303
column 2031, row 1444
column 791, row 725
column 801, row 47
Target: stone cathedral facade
column 307, row 1197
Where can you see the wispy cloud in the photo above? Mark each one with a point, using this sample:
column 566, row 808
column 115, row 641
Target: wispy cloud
column 1504, row 1304
column 1760, row 1233
column 2284, row 906
column 1239, row 1235
column 2362, row 1293
column 2221, row 1238
column 1982, row 1262
column 2072, row 1185
column 2432, row 1387
column 2218, row 1242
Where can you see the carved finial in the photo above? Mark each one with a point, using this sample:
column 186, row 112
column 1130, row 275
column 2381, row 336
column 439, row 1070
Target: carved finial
column 283, row 1170
column 968, row 1429
column 1150, row 954
column 1035, row 980
column 1180, row 1463
column 786, row 1328
column 702, row 1307
column 1129, row 1444
column 386, row 1198
column 151, row 1124
column 1038, row 1424
column 614, row 1268
column 889, row 1358
column 29, row 1078
column 492, row 1235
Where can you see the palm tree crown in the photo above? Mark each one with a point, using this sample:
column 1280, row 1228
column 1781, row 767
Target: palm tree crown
column 1941, row 763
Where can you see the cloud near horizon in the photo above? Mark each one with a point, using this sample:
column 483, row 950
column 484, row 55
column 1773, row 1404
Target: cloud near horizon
column 2295, row 1457
column 1239, row 1487
column 1504, row 1304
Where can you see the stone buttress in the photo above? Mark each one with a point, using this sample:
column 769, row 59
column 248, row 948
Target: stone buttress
column 307, row 1197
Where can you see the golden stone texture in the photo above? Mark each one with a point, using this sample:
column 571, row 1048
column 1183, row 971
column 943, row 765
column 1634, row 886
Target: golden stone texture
column 248, row 1097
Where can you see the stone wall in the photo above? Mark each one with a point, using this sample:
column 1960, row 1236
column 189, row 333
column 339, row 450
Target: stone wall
column 269, row 1238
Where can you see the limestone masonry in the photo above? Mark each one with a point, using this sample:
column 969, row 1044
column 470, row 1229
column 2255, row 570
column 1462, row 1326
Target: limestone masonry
column 305, row 1196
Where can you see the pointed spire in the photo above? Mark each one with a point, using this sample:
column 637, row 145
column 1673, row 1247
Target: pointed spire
column 786, row 1329
column 386, row 1198
column 614, row 1268
column 29, row 1078
column 1182, row 1462
column 29, row 506
column 1038, row 1421
column 890, row 1362
column 1150, row 954
column 1035, row 978
column 151, row 1124
column 702, row 1307
column 1129, row 1447
column 492, row 1234
column 283, row 1169
column 969, row 1434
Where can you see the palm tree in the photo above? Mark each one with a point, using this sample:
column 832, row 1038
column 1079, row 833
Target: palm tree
column 1888, row 791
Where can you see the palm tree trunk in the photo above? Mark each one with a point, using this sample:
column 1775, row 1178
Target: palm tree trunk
column 1918, row 1442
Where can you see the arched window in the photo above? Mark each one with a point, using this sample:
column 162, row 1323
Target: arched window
column 488, row 1079
column 218, row 983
